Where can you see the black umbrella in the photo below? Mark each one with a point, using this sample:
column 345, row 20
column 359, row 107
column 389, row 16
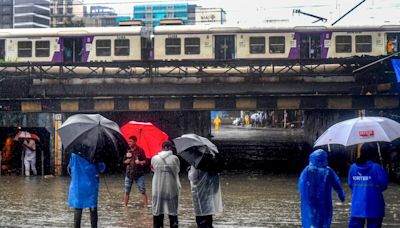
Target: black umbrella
column 93, row 137
column 198, row 152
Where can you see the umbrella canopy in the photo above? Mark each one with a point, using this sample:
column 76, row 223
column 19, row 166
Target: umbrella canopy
column 26, row 135
column 191, row 140
column 92, row 136
column 360, row 130
column 196, row 150
column 149, row 137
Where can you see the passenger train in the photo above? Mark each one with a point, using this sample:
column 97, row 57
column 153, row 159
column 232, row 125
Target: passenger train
column 190, row 42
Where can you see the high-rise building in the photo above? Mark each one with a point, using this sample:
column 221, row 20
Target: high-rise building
column 151, row 15
column 24, row 14
column 100, row 16
column 7, row 13
column 66, row 12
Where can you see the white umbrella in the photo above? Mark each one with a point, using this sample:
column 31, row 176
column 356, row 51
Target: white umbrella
column 360, row 130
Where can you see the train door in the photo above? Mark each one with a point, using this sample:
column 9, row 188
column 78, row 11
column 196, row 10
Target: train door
column 147, row 49
column 310, row 46
column 392, row 43
column 224, row 47
column 2, row 50
column 72, row 49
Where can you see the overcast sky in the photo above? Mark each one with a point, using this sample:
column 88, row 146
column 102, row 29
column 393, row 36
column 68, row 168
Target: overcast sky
column 256, row 12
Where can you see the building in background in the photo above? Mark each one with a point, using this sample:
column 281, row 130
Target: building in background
column 152, row 14
column 100, row 16
column 7, row 14
column 210, row 16
column 66, row 13
column 24, row 14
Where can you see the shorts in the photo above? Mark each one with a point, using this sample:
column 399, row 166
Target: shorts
column 139, row 183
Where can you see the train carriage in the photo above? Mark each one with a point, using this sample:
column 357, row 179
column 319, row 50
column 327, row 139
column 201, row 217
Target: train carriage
column 81, row 44
column 302, row 42
column 192, row 42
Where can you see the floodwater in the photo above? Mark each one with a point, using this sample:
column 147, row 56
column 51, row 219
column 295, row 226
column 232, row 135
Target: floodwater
column 250, row 200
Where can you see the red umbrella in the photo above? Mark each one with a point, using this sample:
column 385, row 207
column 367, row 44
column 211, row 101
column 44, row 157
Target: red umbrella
column 149, row 137
column 26, row 135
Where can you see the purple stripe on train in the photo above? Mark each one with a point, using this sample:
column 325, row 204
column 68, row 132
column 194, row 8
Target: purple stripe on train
column 295, row 51
column 58, row 56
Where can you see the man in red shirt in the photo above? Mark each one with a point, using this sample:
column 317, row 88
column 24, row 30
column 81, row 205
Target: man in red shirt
column 135, row 161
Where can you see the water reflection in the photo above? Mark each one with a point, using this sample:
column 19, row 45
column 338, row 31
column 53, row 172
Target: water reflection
column 251, row 200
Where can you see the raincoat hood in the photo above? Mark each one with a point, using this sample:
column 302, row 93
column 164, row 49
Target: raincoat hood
column 319, row 158
column 164, row 153
column 365, row 168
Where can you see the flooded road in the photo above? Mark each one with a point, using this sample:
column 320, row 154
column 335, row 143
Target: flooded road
column 250, row 200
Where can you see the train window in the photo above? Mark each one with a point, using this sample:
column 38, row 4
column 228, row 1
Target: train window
column 172, row 46
column 257, row 45
column 192, row 46
column 276, row 44
column 121, row 47
column 363, row 43
column 103, row 47
column 42, row 48
column 343, row 44
column 24, row 49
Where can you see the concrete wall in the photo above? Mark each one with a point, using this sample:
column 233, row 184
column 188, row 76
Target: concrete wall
column 317, row 121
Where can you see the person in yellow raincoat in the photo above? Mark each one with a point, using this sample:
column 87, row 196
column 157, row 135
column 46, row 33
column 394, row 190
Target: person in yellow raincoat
column 217, row 122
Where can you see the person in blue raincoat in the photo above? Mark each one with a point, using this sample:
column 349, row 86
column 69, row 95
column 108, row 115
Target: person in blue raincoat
column 84, row 187
column 367, row 180
column 315, row 186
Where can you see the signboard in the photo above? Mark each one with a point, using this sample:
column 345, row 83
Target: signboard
column 208, row 16
column 57, row 144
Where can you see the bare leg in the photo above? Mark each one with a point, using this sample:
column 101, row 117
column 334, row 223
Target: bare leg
column 77, row 217
column 126, row 199
column 145, row 201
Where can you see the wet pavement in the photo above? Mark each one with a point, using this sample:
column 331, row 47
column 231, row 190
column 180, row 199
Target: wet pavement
column 233, row 133
column 250, row 200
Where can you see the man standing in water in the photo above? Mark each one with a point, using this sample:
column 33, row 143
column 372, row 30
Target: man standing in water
column 206, row 194
column 165, row 186
column 135, row 161
column 29, row 147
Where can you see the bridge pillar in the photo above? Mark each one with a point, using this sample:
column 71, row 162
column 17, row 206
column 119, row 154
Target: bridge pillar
column 317, row 121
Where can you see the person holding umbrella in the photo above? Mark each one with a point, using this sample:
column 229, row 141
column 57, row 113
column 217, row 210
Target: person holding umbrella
column 206, row 193
column 91, row 139
column 367, row 180
column 165, row 186
column 135, row 161
column 315, row 186
column 203, row 175
column 84, row 186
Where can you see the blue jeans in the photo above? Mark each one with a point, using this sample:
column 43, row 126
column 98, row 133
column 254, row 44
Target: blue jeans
column 139, row 182
column 360, row 222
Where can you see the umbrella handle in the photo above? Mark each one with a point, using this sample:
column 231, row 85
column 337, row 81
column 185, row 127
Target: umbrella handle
column 380, row 154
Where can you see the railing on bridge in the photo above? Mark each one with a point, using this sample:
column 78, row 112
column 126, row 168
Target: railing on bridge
column 277, row 67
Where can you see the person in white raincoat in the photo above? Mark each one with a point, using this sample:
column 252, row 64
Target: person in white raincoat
column 206, row 192
column 165, row 186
